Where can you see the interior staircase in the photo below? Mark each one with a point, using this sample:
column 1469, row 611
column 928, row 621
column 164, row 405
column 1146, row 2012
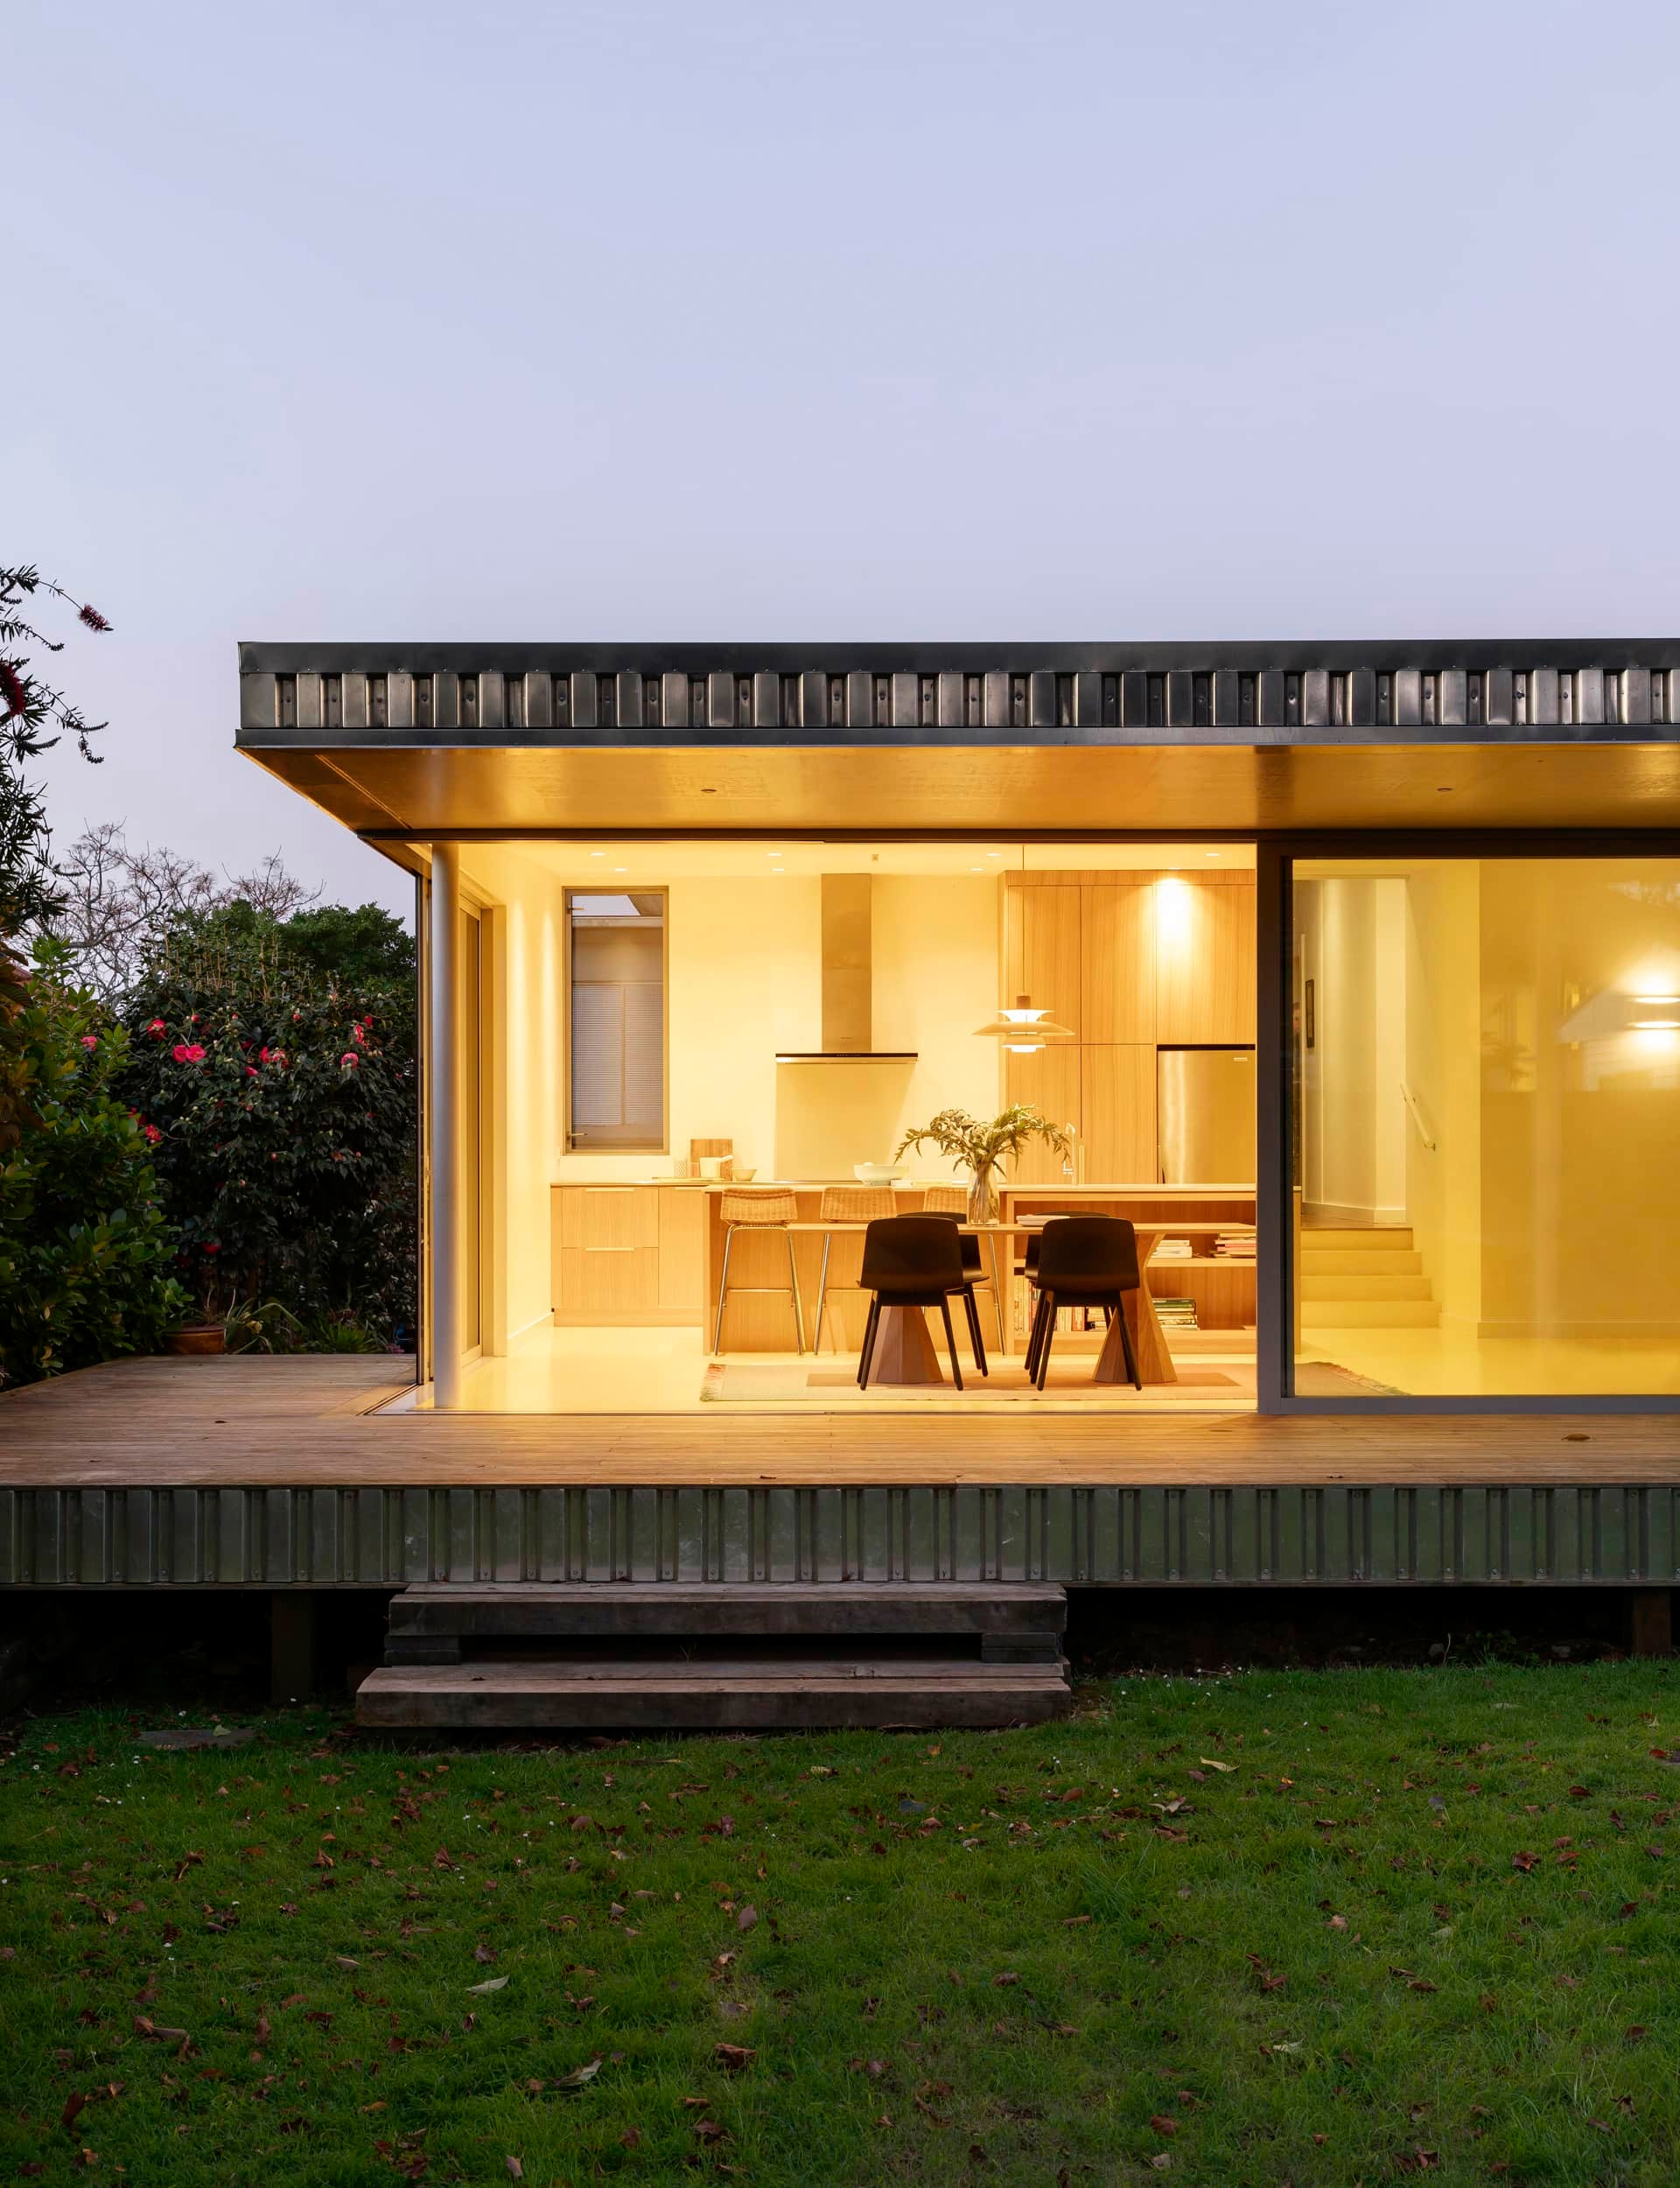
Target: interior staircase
column 1367, row 1279
column 599, row 1656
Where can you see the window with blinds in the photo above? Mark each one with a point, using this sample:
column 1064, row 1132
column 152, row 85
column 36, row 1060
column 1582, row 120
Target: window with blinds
column 615, row 1019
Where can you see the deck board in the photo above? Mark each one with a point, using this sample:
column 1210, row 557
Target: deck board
column 306, row 1422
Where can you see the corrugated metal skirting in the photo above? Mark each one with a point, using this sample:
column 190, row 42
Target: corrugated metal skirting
column 1610, row 1535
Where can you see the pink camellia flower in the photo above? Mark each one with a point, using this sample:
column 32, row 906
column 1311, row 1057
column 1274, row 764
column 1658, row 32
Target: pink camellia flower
column 262, row 1055
column 184, row 1052
column 153, row 1134
column 278, row 1056
column 157, row 1029
column 211, row 1245
column 350, row 1060
column 179, row 1052
column 251, row 1071
column 90, row 1041
column 193, row 1019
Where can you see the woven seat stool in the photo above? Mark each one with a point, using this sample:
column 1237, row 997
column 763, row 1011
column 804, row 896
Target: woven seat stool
column 773, row 1209
column 846, row 1204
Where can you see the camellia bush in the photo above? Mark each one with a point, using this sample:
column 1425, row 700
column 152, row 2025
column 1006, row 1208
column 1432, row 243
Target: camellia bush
column 278, row 1098
column 87, row 1258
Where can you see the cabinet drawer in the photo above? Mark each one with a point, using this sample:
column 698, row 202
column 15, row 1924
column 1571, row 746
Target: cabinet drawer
column 596, row 1279
column 608, row 1216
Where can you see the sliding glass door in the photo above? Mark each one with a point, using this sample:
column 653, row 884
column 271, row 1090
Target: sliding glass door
column 1483, row 1066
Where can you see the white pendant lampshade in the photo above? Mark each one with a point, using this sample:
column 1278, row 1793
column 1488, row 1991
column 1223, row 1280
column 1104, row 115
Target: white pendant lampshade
column 1022, row 1029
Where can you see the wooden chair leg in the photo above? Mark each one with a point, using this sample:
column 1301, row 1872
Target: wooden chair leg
column 951, row 1340
column 1126, row 1347
column 1049, row 1299
column 723, row 1293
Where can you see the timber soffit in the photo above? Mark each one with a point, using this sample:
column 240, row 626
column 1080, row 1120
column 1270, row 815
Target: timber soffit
column 1493, row 692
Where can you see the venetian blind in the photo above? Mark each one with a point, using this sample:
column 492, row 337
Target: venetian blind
column 617, row 1035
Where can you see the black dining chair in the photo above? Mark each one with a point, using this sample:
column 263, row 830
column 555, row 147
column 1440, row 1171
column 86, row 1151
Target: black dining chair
column 916, row 1261
column 1084, row 1261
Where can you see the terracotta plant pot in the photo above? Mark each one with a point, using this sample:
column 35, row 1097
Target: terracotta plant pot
column 204, row 1337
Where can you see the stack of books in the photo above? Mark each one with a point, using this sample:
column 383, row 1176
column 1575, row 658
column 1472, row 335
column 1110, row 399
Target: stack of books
column 1173, row 1250
column 1234, row 1246
column 1177, row 1313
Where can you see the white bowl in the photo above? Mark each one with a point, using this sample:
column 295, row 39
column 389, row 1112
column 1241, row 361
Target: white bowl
column 878, row 1173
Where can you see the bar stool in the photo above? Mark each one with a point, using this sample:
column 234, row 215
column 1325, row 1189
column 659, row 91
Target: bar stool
column 772, row 1209
column 952, row 1199
column 846, row 1204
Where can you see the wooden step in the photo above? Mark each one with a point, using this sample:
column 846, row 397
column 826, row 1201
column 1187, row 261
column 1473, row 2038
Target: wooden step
column 603, row 1610
column 736, row 1695
column 1370, row 1313
column 1334, row 1261
column 1380, row 1283
column 1368, row 1239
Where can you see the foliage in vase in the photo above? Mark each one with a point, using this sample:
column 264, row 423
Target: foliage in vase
column 86, row 1258
column 982, row 1145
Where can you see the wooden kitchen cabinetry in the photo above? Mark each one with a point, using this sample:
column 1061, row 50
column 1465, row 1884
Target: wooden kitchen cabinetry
column 1130, row 964
column 627, row 1253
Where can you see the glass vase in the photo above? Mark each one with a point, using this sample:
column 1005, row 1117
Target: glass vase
column 983, row 1196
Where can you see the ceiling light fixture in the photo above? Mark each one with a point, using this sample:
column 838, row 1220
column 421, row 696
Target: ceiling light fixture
column 1022, row 1028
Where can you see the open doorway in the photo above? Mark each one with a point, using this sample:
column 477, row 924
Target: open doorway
column 721, row 1059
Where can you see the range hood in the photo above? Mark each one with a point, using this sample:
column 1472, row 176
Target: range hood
column 848, row 979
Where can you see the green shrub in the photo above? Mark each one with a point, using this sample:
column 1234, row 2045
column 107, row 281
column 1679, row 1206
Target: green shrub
column 86, row 1257
column 282, row 1103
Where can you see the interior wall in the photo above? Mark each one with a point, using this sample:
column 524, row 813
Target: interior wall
column 1352, row 935
column 1578, row 1109
column 529, row 1084
column 935, row 974
column 1442, row 1017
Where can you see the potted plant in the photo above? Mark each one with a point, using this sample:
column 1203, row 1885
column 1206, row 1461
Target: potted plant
column 982, row 1145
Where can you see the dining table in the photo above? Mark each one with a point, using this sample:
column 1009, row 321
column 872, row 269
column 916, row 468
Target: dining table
column 903, row 1348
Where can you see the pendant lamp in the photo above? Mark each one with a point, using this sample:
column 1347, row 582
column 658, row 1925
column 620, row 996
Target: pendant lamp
column 1023, row 1029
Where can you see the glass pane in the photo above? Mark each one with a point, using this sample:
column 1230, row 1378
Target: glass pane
column 1486, row 1067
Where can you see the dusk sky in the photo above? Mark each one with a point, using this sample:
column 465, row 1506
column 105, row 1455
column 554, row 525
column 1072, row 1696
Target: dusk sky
column 918, row 319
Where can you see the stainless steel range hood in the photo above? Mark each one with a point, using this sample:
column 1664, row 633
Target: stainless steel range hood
column 848, row 979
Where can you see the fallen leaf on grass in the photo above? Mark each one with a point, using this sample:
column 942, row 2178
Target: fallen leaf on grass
column 1163, row 2124
column 1635, row 2035
column 733, row 2056
column 748, row 1919
column 73, row 2105
column 483, row 1954
column 579, row 2075
column 1003, row 1981
column 1226, row 1767
column 710, row 2132
column 631, row 2139
column 515, row 2170
column 1524, row 1862
column 491, row 1982
column 1338, row 1922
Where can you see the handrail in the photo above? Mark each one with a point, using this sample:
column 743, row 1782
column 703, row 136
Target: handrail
column 1417, row 1115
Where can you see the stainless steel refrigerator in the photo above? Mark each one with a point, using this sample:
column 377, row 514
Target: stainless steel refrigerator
column 1204, row 1114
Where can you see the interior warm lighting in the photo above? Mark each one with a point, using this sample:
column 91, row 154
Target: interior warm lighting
column 1656, row 1025
column 1659, row 999
column 1173, row 907
column 1023, row 1029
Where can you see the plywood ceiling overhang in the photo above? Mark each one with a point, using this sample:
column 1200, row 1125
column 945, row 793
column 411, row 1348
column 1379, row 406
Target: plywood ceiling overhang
column 393, row 791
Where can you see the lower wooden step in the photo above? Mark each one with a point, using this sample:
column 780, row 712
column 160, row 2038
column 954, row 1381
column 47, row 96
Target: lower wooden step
column 600, row 1610
column 717, row 1696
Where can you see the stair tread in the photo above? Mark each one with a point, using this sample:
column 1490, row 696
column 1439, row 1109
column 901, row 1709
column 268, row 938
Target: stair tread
column 734, row 1591
column 478, row 1678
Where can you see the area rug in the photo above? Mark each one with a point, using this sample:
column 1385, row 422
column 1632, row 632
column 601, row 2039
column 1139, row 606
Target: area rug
column 726, row 1384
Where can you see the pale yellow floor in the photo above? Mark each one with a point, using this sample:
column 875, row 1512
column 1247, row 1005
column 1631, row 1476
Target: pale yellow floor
column 1449, row 1363
column 645, row 1370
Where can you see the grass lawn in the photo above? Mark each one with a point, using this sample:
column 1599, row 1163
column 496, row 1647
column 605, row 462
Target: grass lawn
column 1309, row 1928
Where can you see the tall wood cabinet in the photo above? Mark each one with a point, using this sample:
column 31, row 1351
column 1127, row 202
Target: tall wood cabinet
column 1130, row 962
column 627, row 1253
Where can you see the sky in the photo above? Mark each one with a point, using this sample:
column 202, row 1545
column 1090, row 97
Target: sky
column 535, row 320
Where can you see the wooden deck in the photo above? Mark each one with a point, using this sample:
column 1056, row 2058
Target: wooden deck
column 253, row 1422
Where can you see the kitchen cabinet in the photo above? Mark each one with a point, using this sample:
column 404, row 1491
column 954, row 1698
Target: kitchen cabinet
column 627, row 1253
column 1117, row 963
column 1117, row 1106
column 1204, row 963
column 1049, row 1080
column 1042, row 950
